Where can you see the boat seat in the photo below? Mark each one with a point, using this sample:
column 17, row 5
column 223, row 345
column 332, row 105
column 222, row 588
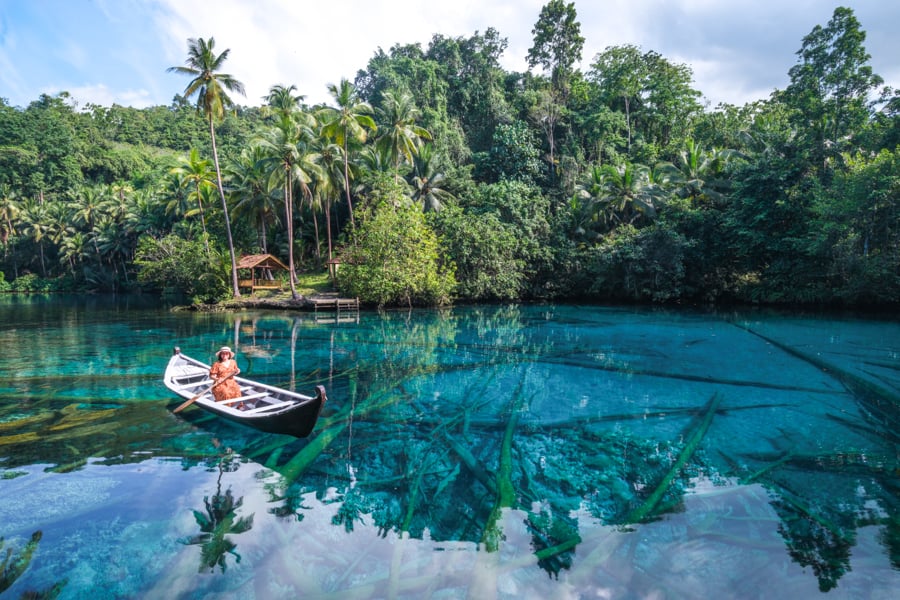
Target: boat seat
column 190, row 372
column 267, row 407
column 195, row 384
column 244, row 398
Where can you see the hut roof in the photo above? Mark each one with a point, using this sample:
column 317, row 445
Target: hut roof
column 260, row 261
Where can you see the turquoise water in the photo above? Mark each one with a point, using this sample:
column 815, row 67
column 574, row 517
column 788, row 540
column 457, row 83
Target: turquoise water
column 481, row 452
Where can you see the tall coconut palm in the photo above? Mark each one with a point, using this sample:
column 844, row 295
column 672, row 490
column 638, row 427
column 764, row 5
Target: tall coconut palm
column 121, row 189
column 329, row 180
column 290, row 160
column 58, row 223
column 375, row 159
column 143, row 214
column 700, row 174
column 251, row 194
column 88, row 205
column 195, row 174
column 589, row 205
column 115, row 243
column 72, row 250
column 209, row 85
column 172, row 192
column 35, row 218
column 401, row 136
column 281, row 101
column 350, row 122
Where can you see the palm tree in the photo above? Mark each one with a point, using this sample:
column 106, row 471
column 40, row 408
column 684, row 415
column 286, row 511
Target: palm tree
column 375, row 159
column 402, row 136
column 35, row 219
column 289, row 159
column 328, row 181
column 195, row 172
column 699, row 173
column 427, row 181
column 203, row 65
column 88, row 206
column 632, row 192
column 171, row 188
column 121, row 189
column 72, row 250
column 143, row 212
column 250, row 191
column 9, row 210
column 587, row 206
column 350, row 121
column 281, row 101
column 58, row 224
column 115, row 243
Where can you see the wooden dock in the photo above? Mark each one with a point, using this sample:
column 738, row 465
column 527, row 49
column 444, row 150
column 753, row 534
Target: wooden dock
column 332, row 302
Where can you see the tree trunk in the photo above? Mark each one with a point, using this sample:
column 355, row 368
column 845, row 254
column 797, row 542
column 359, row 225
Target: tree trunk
column 347, row 180
column 289, row 223
column 234, row 276
column 316, row 231
column 265, row 243
column 331, row 267
column 203, row 217
column 628, row 120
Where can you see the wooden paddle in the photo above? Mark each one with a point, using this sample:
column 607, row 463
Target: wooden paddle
column 183, row 406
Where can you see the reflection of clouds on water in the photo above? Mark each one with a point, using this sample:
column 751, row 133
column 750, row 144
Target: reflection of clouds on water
column 723, row 542
column 734, row 551
column 39, row 500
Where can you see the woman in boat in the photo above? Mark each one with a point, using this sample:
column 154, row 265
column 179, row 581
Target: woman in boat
column 223, row 372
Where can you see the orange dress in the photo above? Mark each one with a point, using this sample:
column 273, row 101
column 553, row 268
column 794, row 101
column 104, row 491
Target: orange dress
column 229, row 388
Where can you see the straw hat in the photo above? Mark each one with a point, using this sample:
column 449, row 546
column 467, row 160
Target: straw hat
column 224, row 349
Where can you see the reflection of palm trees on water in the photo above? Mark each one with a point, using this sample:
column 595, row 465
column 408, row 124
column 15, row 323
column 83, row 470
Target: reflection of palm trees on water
column 218, row 520
column 13, row 565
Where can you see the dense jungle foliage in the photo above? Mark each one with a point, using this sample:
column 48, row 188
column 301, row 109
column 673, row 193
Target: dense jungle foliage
column 435, row 175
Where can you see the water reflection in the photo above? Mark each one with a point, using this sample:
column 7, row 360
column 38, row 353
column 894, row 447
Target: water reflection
column 595, row 446
column 218, row 520
column 65, row 435
column 15, row 563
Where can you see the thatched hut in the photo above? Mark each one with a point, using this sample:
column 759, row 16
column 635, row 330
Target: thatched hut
column 261, row 269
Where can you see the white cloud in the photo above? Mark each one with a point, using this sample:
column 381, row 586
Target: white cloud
column 293, row 43
column 739, row 51
column 101, row 95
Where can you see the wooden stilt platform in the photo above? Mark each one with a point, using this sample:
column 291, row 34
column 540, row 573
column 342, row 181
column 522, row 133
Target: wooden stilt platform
column 332, row 302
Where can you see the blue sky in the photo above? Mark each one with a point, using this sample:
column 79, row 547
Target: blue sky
column 117, row 51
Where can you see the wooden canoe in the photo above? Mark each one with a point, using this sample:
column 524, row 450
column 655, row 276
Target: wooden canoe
column 266, row 407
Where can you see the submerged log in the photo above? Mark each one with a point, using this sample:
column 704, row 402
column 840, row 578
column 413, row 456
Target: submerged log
column 687, row 377
column 506, row 493
column 684, row 456
column 875, row 401
column 334, row 426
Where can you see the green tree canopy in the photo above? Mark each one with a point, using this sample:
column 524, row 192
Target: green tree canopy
column 396, row 259
column 830, row 88
column 557, row 42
